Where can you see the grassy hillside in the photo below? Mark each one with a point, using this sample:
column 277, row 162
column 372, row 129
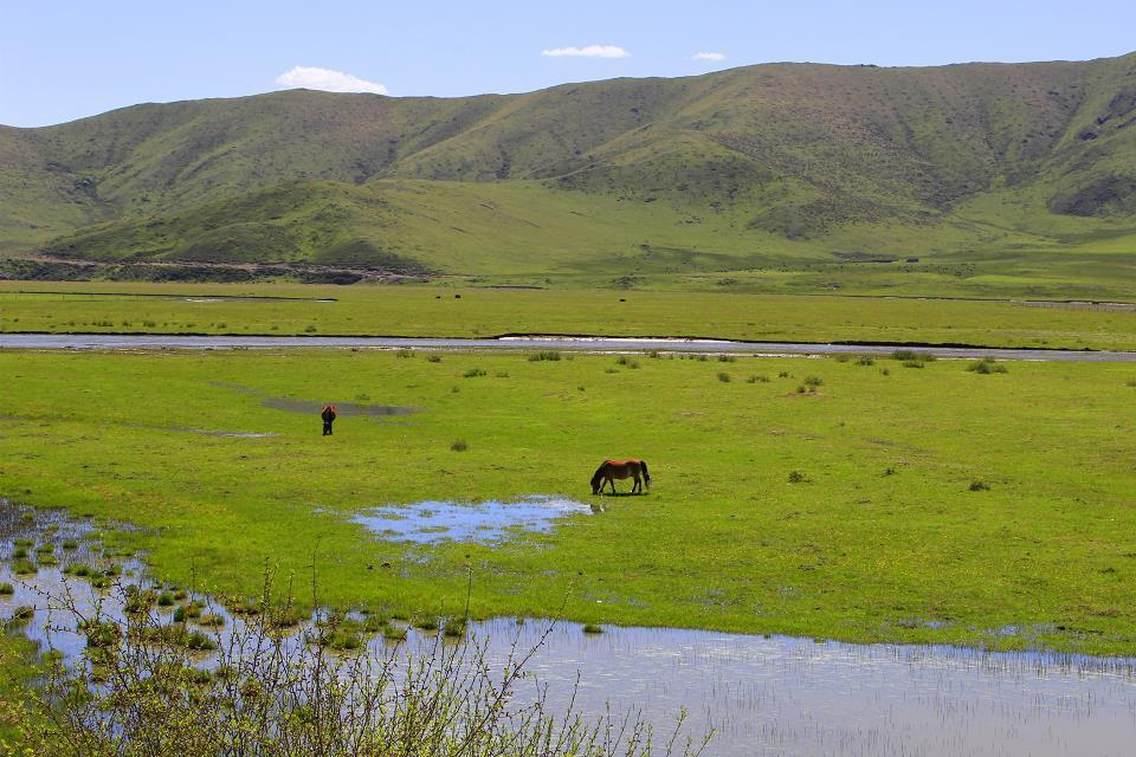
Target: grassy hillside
column 726, row 171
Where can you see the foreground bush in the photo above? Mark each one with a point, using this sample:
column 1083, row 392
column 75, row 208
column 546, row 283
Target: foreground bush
column 144, row 691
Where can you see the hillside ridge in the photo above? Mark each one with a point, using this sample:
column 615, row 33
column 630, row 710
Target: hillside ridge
column 781, row 160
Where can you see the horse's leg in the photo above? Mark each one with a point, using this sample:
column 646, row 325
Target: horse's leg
column 612, row 482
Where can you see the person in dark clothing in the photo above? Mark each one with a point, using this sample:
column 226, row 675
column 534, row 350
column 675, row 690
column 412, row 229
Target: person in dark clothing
column 328, row 416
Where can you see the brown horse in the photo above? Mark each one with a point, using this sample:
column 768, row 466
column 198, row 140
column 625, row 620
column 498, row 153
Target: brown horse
column 610, row 470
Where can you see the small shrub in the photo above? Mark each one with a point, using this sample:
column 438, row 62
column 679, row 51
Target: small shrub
column 138, row 602
column 592, row 628
column 45, row 549
column 979, row 486
column 429, row 624
column 100, row 635
column 625, row 360
column 609, row 369
column 987, row 366
column 865, row 360
column 310, row 328
column 454, row 628
column 842, row 357
column 211, row 620
column 24, row 568
column 801, row 389
column 393, row 633
column 724, row 378
column 473, row 373
column 179, row 615
column 404, row 354
column 374, row 624
column 7, row 590
column 797, row 477
column 784, row 374
column 433, row 357
column 727, row 359
column 286, row 617
column 199, row 642
column 813, row 381
column 459, row 445
column 502, row 374
column 166, row 599
column 70, row 545
column 20, row 553
column 546, row 355
column 23, row 614
column 912, row 363
column 758, row 379
column 885, row 372
column 77, row 570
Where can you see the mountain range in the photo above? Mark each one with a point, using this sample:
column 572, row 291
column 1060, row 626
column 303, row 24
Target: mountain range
column 730, row 170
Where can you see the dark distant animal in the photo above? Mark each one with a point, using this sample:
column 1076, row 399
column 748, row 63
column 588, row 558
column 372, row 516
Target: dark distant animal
column 610, row 470
column 328, row 416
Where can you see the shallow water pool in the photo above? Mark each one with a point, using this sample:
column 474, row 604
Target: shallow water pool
column 485, row 522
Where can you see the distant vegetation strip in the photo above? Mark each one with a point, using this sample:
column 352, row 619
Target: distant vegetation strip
column 441, row 311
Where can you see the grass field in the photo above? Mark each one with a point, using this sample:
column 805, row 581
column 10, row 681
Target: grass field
column 800, row 496
column 469, row 312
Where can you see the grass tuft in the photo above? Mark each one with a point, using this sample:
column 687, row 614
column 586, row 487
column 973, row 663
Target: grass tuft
column 987, row 366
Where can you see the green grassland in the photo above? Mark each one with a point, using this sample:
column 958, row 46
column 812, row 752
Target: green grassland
column 880, row 539
column 471, row 312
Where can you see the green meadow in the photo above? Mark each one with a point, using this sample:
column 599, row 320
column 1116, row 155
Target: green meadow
column 898, row 500
column 452, row 311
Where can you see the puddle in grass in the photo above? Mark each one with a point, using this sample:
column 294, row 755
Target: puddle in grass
column 776, row 695
column 481, row 522
column 343, row 408
column 313, row 407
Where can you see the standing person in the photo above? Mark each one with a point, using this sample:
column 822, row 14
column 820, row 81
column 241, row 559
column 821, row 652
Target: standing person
column 328, row 416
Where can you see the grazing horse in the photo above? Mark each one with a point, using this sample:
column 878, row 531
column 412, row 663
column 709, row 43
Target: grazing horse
column 610, row 470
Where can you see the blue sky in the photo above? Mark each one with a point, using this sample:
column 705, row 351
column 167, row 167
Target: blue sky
column 65, row 60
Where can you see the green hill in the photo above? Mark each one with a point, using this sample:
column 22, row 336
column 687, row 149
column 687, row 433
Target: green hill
column 728, row 171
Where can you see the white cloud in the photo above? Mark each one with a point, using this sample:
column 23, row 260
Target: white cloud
column 708, row 56
column 328, row 80
column 591, row 51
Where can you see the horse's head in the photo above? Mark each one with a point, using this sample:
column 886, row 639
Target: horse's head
column 597, row 480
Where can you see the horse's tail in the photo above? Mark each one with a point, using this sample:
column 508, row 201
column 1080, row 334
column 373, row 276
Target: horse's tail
column 646, row 473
